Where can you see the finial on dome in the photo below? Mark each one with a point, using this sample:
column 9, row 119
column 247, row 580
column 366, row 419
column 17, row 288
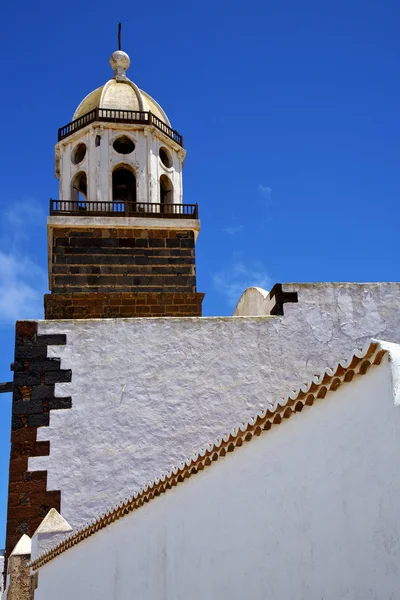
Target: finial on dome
column 119, row 60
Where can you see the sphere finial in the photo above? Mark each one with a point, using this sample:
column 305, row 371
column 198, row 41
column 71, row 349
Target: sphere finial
column 120, row 62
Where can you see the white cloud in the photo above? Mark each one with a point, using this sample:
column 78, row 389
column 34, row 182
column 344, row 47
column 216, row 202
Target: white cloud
column 266, row 193
column 233, row 230
column 22, row 283
column 22, row 216
column 264, row 189
column 232, row 282
column 22, row 280
column 25, row 211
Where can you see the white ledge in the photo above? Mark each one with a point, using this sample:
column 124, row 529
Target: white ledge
column 124, row 222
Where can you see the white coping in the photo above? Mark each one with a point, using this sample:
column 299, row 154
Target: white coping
column 147, row 392
column 52, row 529
column 23, row 546
column 52, row 523
column 254, row 302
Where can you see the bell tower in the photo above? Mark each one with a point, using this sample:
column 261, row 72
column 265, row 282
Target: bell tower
column 121, row 241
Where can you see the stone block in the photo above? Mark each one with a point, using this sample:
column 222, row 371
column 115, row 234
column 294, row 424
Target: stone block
column 51, row 340
column 59, row 403
column 27, row 352
column 23, row 407
column 17, row 422
column 41, row 420
column 61, row 376
column 42, row 392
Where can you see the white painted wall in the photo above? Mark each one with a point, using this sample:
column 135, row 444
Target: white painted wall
column 100, row 161
column 308, row 510
column 147, row 392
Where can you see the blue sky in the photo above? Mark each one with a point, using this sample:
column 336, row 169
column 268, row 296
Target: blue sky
column 290, row 114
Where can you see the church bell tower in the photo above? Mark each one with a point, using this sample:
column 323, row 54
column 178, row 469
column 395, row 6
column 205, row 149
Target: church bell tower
column 121, row 241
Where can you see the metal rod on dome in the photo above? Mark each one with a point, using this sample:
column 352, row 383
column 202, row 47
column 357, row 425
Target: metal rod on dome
column 119, row 36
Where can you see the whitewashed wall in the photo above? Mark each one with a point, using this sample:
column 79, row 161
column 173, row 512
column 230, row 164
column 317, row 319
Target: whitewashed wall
column 147, row 392
column 308, row 510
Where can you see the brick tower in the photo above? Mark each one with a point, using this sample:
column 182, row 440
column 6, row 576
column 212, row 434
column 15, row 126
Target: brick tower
column 121, row 242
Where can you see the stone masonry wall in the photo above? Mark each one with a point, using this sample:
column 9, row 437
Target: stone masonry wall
column 124, row 260
column 35, row 377
column 89, row 305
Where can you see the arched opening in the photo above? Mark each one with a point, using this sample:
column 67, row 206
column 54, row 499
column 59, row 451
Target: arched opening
column 123, row 189
column 166, row 193
column 79, row 190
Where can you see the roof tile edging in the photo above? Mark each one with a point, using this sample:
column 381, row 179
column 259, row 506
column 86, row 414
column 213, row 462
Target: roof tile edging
column 317, row 388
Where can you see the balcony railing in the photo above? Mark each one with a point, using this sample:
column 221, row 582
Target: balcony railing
column 110, row 115
column 118, row 208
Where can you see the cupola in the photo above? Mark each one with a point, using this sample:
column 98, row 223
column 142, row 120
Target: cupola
column 119, row 148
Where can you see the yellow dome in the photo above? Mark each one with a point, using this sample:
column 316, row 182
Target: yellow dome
column 120, row 93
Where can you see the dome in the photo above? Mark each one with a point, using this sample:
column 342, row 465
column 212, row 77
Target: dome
column 120, row 93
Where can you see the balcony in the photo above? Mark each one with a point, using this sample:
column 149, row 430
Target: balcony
column 117, row 208
column 107, row 115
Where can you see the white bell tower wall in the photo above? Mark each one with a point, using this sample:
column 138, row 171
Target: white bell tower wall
column 155, row 161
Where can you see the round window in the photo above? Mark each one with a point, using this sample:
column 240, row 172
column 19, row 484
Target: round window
column 165, row 158
column 123, row 145
column 78, row 153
